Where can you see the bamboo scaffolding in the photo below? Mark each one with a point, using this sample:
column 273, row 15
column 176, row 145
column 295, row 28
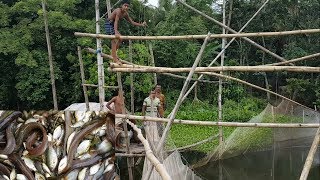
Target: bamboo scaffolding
column 222, row 51
column 130, row 63
column 309, row 57
column 225, row 124
column 310, row 157
column 149, row 154
column 189, row 37
column 148, row 69
column 53, row 83
column 94, row 85
column 84, row 88
column 233, row 31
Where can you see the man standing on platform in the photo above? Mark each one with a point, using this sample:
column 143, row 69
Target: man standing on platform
column 112, row 23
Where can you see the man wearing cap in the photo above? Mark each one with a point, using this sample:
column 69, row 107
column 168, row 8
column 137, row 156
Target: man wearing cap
column 112, row 23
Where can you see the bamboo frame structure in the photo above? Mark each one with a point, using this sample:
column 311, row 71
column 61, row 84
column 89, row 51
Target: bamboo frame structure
column 204, row 71
column 131, row 80
column 189, row 37
column 130, row 63
column 53, row 83
column 225, row 124
column 149, row 154
column 148, row 69
column 233, row 31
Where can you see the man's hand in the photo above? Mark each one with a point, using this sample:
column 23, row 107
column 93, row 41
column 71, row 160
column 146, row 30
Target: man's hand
column 144, row 24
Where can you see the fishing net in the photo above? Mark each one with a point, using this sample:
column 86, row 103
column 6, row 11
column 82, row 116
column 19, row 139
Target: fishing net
column 247, row 139
column 172, row 161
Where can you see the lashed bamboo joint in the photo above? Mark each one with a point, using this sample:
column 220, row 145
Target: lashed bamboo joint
column 185, row 37
column 148, row 69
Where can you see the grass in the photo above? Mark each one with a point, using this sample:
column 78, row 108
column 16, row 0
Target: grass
column 183, row 135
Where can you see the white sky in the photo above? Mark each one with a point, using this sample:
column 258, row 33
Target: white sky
column 153, row 2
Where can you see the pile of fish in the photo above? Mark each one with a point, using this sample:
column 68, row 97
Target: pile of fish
column 57, row 145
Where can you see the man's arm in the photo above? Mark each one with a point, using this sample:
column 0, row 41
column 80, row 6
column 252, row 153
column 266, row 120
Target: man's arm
column 143, row 110
column 128, row 18
column 109, row 103
column 116, row 22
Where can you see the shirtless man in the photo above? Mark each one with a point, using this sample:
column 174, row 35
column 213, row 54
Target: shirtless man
column 162, row 99
column 118, row 105
column 112, row 26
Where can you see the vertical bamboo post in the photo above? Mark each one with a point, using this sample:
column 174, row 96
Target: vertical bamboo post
column 184, row 88
column 152, row 63
column 222, row 51
column 99, row 59
column 309, row 160
column 84, row 88
column 108, row 8
column 131, row 79
column 220, row 79
column 53, row 83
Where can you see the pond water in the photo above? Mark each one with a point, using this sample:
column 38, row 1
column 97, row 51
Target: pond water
column 265, row 165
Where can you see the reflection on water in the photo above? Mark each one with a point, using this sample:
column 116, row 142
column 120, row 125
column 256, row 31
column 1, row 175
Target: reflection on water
column 266, row 165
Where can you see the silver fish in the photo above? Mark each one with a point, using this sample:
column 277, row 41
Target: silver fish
column 21, row 177
column 62, row 164
column 83, row 147
column 29, row 163
column 52, row 158
column 104, row 146
column 82, row 174
column 39, row 176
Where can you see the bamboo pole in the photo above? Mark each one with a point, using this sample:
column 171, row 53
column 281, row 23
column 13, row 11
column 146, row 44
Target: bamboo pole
column 130, row 63
column 222, row 51
column 189, row 37
column 99, row 59
column 94, row 85
column 131, row 79
column 129, row 155
column 153, row 64
column 310, row 157
column 147, row 69
column 53, row 83
column 149, row 154
column 84, row 88
column 221, row 72
column 233, row 31
column 309, row 57
column 178, row 103
column 225, row 124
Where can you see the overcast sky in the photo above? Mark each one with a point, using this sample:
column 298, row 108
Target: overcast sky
column 153, row 2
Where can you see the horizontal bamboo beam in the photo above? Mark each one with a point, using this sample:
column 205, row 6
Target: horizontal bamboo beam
column 167, row 74
column 129, row 155
column 228, row 124
column 296, row 60
column 185, row 37
column 94, row 85
column 143, row 69
column 149, row 154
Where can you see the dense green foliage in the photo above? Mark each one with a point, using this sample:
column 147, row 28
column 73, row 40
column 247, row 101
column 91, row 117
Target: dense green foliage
column 24, row 76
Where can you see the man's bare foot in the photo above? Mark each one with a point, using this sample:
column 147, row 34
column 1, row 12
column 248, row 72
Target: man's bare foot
column 118, row 62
